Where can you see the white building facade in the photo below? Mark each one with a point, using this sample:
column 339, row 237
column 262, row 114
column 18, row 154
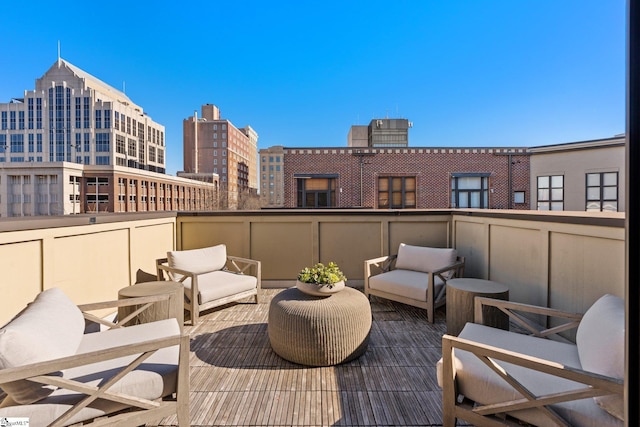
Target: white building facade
column 72, row 116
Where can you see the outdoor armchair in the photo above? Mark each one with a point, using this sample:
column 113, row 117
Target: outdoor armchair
column 55, row 374
column 416, row 276
column 491, row 376
column 211, row 277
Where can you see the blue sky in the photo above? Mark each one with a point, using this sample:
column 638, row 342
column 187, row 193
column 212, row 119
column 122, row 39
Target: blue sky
column 465, row 72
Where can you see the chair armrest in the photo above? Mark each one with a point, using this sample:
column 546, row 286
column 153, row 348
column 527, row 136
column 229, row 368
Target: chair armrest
column 173, row 271
column 516, row 310
column 241, row 265
column 143, row 302
column 456, row 266
column 54, row 365
column 595, row 384
column 384, row 264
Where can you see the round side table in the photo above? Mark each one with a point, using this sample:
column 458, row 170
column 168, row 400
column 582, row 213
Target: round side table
column 460, row 303
column 173, row 307
column 319, row 331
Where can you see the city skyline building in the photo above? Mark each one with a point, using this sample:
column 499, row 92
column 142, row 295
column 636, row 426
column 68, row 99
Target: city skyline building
column 72, row 116
column 213, row 145
column 272, row 177
column 380, row 133
column 75, row 145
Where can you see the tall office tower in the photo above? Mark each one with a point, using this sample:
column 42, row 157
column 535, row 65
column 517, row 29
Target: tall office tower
column 72, row 116
column 380, row 133
column 213, row 145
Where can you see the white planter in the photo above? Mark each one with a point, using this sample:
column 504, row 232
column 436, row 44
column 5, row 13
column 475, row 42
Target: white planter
column 319, row 290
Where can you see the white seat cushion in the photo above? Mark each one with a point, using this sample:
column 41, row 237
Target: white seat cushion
column 406, row 283
column 221, row 284
column 49, row 328
column 600, row 340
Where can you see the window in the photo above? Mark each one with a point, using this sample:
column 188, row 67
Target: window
column 316, row 192
column 102, row 160
column 17, row 143
column 38, row 113
column 85, row 113
column 551, row 193
column 396, row 192
column 102, row 142
column 518, row 197
column 470, row 190
column 30, row 117
column 98, row 119
column 602, row 192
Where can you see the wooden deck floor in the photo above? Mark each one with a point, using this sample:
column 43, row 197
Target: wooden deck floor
column 237, row 380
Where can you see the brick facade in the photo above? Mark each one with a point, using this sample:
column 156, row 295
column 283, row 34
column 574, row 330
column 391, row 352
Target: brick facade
column 433, row 169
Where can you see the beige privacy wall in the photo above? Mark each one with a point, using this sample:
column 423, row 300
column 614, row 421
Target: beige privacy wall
column 88, row 262
column 287, row 241
column 566, row 263
column 562, row 260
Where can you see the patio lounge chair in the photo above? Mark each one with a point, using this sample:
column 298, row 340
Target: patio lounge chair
column 212, row 276
column 486, row 373
column 416, row 276
column 53, row 373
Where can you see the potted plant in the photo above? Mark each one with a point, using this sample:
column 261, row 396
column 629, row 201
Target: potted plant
column 321, row 280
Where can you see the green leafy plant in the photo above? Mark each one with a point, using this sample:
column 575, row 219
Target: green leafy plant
column 322, row 275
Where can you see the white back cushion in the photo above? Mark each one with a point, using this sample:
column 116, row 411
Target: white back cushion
column 418, row 258
column 49, row 328
column 199, row 261
column 600, row 342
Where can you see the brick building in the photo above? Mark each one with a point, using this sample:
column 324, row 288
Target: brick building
column 395, row 178
column 64, row 188
column 213, row 145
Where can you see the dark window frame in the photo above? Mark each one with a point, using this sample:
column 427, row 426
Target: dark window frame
column 549, row 201
column 601, row 200
column 483, row 191
column 403, row 191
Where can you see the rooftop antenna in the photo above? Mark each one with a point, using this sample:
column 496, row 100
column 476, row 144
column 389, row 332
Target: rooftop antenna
column 124, row 87
column 58, row 53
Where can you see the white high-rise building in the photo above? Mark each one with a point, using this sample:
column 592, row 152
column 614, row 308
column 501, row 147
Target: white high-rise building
column 72, row 116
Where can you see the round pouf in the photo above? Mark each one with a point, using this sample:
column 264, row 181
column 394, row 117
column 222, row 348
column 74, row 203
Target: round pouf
column 319, row 331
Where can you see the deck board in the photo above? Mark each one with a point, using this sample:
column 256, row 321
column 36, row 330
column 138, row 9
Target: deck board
column 237, row 380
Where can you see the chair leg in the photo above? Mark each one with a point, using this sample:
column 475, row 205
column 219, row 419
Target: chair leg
column 194, row 313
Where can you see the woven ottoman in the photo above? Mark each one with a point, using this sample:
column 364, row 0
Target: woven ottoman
column 319, row 331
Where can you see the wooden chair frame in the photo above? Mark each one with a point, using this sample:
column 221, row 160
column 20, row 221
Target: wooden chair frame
column 384, row 264
column 237, row 265
column 494, row 414
column 140, row 410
